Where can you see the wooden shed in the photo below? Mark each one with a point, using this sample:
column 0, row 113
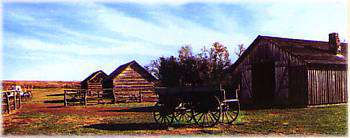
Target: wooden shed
column 93, row 83
column 131, row 83
column 284, row 71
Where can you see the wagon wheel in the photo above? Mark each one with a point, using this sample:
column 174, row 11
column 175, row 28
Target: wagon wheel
column 183, row 114
column 230, row 111
column 207, row 112
column 163, row 115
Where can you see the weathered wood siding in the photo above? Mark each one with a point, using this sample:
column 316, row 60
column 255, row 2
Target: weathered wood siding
column 296, row 81
column 282, row 85
column 264, row 52
column 297, row 86
column 130, row 86
column 246, row 94
column 326, row 86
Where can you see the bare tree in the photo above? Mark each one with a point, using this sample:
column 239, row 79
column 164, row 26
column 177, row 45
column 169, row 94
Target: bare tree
column 240, row 50
column 185, row 52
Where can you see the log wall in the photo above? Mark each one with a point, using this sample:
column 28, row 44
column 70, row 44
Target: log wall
column 95, row 89
column 94, row 85
column 130, row 86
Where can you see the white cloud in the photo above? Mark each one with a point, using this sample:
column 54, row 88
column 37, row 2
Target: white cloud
column 114, row 37
column 171, row 30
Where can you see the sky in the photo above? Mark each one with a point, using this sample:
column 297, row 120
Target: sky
column 70, row 40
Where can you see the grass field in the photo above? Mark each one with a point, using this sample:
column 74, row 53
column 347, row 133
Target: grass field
column 46, row 115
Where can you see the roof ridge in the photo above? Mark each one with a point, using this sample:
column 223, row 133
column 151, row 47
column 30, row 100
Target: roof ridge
column 265, row 36
column 93, row 75
column 297, row 39
column 118, row 70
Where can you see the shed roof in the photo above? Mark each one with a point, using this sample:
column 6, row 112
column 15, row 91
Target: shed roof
column 134, row 64
column 93, row 75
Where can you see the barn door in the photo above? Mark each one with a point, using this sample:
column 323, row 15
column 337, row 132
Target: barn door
column 298, row 85
column 263, row 83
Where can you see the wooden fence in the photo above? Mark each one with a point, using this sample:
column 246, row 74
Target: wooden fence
column 12, row 100
column 74, row 96
column 81, row 97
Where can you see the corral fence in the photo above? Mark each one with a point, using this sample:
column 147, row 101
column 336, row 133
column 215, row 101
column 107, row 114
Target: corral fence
column 12, row 99
column 85, row 96
column 82, row 97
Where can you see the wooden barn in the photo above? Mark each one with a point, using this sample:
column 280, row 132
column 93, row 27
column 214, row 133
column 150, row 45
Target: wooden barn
column 131, row 83
column 93, row 83
column 292, row 72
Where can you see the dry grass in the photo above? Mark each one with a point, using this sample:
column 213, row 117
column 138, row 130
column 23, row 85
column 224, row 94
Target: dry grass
column 45, row 114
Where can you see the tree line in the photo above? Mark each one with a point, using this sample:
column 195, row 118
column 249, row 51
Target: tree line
column 206, row 68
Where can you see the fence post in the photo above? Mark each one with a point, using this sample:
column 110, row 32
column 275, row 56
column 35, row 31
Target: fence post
column 14, row 99
column 85, row 98
column 65, row 97
column 8, row 102
column 19, row 99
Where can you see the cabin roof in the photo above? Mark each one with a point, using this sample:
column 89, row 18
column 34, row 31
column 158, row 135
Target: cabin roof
column 133, row 63
column 94, row 74
column 309, row 51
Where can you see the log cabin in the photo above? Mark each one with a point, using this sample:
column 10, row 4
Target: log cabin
column 276, row 71
column 131, row 82
column 93, row 83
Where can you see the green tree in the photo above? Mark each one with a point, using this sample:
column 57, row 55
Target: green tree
column 206, row 68
column 189, row 73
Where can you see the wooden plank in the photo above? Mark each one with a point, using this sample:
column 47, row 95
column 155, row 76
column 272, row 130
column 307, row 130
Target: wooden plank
column 65, row 98
column 19, row 99
column 85, row 98
column 8, row 103
column 317, row 86
column 308, row 86
column 14, row 100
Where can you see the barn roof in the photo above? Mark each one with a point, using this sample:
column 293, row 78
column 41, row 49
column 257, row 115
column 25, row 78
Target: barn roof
column 309, row 51
column 93, row 75
column 134, row 64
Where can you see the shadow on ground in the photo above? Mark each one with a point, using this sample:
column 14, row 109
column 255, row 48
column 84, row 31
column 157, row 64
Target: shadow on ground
column 55, row 94
column 54, row 101
column 129, row 126
column 136, row 109
column 133, row 126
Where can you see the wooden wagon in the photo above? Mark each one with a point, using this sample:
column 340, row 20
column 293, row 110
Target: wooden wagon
column 204, row 106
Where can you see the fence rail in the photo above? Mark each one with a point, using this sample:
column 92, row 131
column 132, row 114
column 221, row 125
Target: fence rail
column 82, row 97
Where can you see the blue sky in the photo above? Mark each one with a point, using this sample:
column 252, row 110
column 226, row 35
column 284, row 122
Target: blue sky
column 69, row 41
